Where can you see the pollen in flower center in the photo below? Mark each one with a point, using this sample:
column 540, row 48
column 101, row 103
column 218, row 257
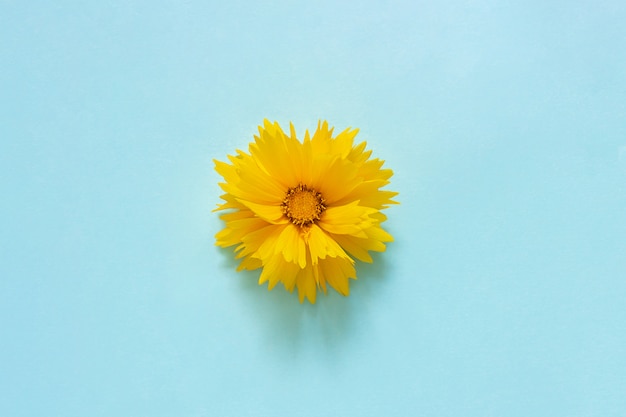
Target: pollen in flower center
column 303, row 205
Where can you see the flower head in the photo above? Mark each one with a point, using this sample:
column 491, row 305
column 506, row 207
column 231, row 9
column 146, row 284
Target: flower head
column 303, row 211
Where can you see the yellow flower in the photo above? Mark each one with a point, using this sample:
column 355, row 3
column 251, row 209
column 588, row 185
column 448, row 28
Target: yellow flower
column 302, row 211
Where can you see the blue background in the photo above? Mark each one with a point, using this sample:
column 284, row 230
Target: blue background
column 503, row 295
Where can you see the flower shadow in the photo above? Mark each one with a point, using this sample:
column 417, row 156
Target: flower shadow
column 289, row 328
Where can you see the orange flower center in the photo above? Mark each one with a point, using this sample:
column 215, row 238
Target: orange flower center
column 303, row 206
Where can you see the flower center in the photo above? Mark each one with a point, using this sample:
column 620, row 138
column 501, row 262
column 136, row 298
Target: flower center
column 303, row 205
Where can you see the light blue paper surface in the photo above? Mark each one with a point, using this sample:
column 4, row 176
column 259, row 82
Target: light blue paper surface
column 503, row 294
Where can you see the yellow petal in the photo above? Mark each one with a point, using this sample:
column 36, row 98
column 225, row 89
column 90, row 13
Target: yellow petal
column 337, row 272
column 277, row 270
column 266, row 242
column 237, row 230
column 342, row 144
column 321, row 245
column 368, row 194
column 305, row 281
column 249, row 263
column 354, row 246
column 333, row 177
column 271, row 214
column 291, row 245
column 271, row 152
column 347, row 219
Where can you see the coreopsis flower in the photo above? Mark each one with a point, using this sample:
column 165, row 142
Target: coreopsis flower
column 304, row 211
